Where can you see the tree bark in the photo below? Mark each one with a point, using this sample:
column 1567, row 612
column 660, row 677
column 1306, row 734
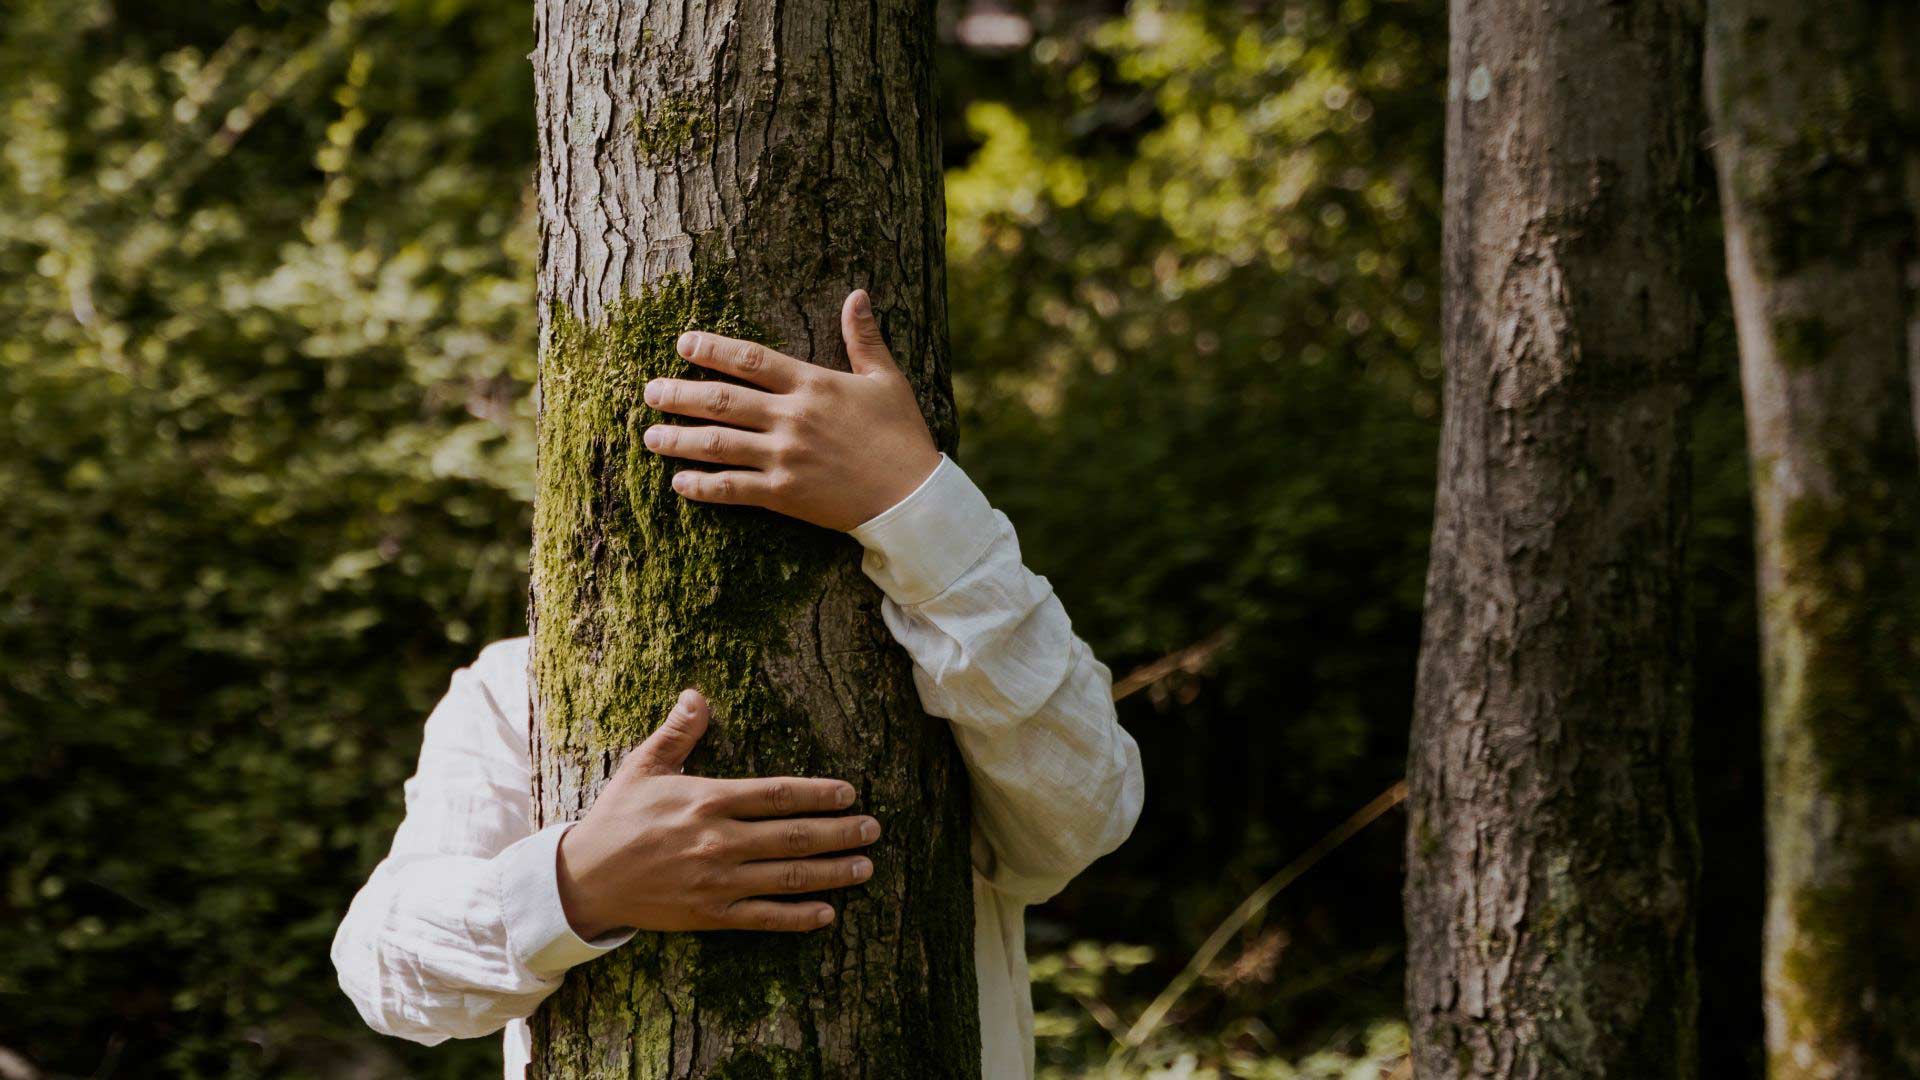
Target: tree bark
column 1552, row 858
column 1815, row 129
column 738, row 167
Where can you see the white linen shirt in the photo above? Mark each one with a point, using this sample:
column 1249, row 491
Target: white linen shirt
column 459, row 932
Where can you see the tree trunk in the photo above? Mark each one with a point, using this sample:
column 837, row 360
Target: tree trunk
column 738, row 167
column 1551, row 855
column 1815, row 129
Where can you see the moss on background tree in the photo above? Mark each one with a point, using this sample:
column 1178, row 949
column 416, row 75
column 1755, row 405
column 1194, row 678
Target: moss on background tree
column 1816, row 115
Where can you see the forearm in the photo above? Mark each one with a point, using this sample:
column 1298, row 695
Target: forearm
column 1057, row 790
column 1057, row 781
column 440, row 946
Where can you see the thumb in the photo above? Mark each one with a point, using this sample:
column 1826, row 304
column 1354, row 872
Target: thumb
column 665, row 751
column 866, row 349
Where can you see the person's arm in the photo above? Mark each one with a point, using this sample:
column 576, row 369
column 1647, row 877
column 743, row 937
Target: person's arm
column 460, row 928
column 1057, row 781
column 470, row 922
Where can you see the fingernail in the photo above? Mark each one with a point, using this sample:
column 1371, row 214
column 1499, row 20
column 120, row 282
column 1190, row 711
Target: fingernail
column 861, row 868
column 862, row 304
column 845, row 795
column 824, row 916
column 869, row 830
column 652, row 393
column 686, row 343
column 682, row 481
column 651, row 437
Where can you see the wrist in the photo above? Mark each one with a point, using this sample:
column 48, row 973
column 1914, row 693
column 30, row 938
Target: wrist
column 902, row 483
column 578, row 898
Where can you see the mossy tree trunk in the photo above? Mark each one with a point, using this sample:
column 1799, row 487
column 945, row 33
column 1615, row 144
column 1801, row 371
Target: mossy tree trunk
column 1552, row 857
column 738, row 167
column 1816, row 131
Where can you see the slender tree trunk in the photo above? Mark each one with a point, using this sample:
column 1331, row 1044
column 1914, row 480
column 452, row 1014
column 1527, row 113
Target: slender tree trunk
column 1815, row 133
column 739, row 166
column 1552, row 856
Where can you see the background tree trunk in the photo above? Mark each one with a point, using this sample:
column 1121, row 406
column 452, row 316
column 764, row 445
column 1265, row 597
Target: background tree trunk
column 739, row 167
column 1552, row 856
column 1815, row 129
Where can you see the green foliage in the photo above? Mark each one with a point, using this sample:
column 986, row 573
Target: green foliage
column 1071, row 1028
column 266, row 454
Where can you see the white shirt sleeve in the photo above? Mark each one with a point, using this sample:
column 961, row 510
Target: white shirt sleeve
column 1056, row 779
column 460, row 928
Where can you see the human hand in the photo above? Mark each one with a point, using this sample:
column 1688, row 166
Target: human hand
column 664, row 851
column 828, row 447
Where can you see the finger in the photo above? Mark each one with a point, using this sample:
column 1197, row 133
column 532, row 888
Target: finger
column 665, row 751
column 709, row 442
column 747, row 360
column 775, row 915
column 739, row 488
column 712, row 400
column 782, row 796
column 797, row 838
column 801, row 875
column 866, row 349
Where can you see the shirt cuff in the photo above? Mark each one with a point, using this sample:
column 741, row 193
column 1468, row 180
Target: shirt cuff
column 922, row 544
column 538, row 934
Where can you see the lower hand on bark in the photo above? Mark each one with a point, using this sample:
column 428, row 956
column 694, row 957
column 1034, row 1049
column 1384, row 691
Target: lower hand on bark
column 664, row 851
column 828, row 447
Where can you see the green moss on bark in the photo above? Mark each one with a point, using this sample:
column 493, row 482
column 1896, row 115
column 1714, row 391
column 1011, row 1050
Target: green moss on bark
column 772, row 1063
column 638, row 593
column 1803, row 342
column 656, row 592
column 1844, row 703
column 669, row 128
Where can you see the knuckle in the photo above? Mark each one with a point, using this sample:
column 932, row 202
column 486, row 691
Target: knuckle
column 795, row 877
column 715, row 442
column 770, row 920
column 706, row 804
column 753, row 358
column 707, row 847
column 780, row 797
column 720, row 400
column 721, row 487
column 797, row 839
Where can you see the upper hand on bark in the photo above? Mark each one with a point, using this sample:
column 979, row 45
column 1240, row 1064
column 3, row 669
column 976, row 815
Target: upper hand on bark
column 828, row 447
column 664, row 851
